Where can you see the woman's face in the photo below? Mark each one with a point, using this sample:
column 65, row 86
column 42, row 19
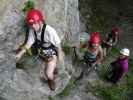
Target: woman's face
column 94, row 45
column 121, row 56
column 36, row 26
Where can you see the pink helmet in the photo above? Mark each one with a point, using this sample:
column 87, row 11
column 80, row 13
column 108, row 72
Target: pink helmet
column 34, row 16
column 94, row 38
column 115, row 30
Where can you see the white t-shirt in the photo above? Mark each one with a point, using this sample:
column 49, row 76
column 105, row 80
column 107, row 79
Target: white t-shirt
column 50, row 36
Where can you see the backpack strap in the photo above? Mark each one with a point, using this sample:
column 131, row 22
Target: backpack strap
column 35, row 36
column 43, row 32
column 27, row 34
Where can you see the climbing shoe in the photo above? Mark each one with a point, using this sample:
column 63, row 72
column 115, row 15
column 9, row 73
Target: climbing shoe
column 51, row 84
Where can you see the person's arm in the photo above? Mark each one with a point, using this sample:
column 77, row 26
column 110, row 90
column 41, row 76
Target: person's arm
column 106, row 38
column 60, row 53
column 115, row 40
column 99, row 56
column 25, row 47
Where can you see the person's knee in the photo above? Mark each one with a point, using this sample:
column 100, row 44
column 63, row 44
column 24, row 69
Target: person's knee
column 50, row 69
column 50, row 72
column 50, row 75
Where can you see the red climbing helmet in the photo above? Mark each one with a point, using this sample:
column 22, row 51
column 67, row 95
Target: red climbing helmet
column 115, row 30
column 95, row 38
column 34, row 16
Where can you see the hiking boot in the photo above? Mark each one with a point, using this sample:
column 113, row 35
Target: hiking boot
column 51, row 84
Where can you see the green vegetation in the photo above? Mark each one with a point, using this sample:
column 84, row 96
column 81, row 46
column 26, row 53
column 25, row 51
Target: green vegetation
column 50, row 98
column 97, row 22
column 111, row 93
column 67, row 49
column 67, row 89
column 27, row 62
column 28, row 5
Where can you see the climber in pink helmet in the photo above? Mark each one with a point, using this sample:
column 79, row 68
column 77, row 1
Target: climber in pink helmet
column 110, row 40
column 43, row 37
column 93, row 55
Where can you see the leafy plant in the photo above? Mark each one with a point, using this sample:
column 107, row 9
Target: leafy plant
column 28, row 5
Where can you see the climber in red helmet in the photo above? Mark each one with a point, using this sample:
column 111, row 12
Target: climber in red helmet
column 44, row 38
column 110, row 40
column 93, row 55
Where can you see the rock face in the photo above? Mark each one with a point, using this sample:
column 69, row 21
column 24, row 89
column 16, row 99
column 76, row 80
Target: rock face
column 25, row 84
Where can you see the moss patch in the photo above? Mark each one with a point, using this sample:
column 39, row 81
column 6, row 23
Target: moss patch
column 67, row 89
